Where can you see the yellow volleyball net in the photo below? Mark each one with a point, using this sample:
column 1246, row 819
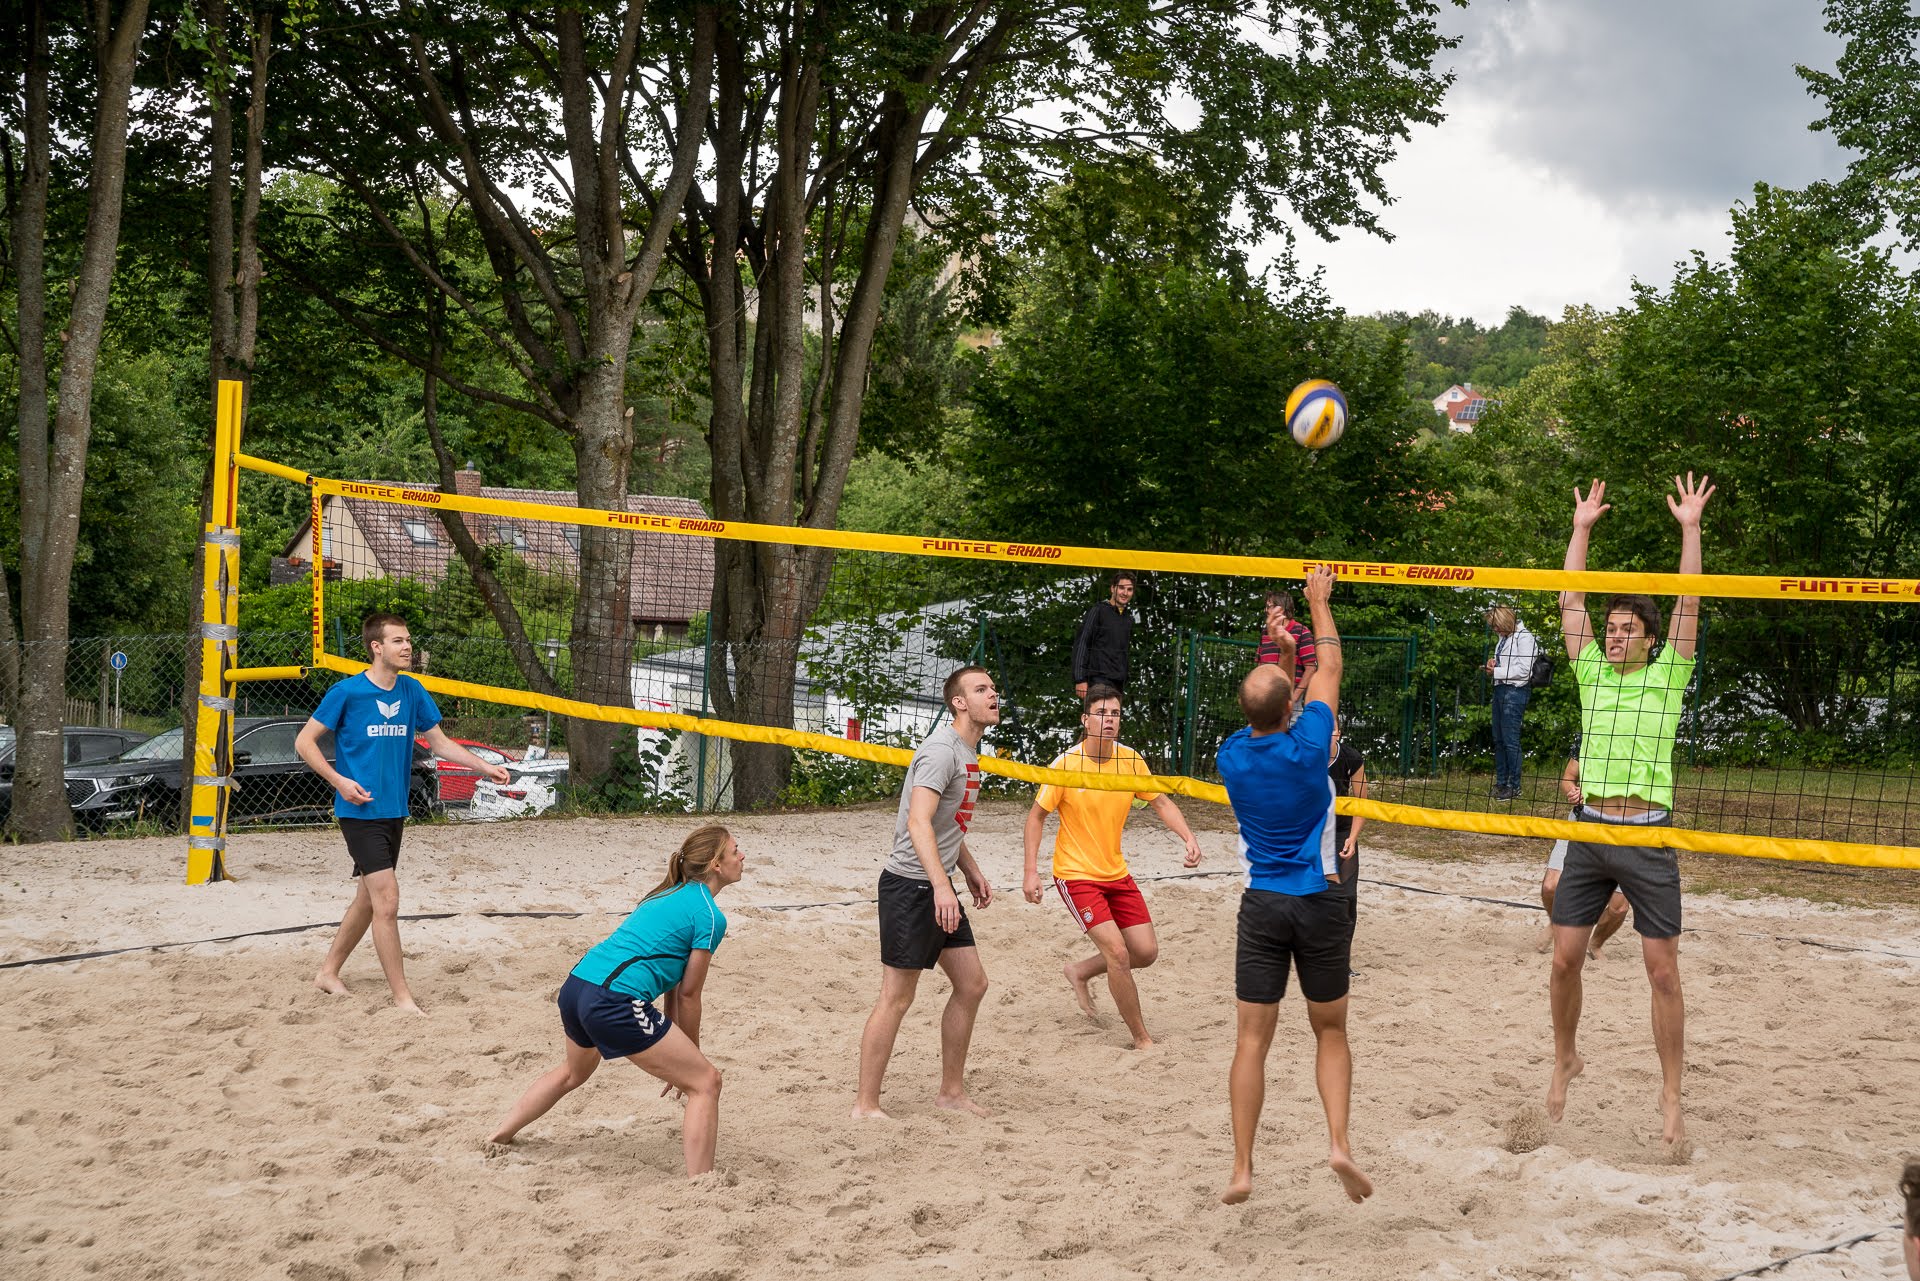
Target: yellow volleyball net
column 1794, row 733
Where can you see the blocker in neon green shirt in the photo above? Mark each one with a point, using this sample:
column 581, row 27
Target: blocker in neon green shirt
column 1627, row 724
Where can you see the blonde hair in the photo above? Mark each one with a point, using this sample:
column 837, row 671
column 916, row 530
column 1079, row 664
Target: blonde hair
column 694, row 859
column 1502, row 619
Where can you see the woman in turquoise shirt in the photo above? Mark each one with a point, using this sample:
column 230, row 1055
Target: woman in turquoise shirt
column 663, row 948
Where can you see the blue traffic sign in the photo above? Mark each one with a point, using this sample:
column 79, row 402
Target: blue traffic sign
column 119, row 660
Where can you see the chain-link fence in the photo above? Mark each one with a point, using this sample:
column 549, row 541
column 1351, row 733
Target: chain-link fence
column 1797, row 721
column 123, row 740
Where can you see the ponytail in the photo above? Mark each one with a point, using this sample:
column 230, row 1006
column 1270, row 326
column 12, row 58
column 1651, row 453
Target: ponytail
column 691, row 862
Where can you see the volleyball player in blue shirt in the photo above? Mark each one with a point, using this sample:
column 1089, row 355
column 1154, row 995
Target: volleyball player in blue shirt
column 1293, row 914
column 374, row 717
column 607, row 1008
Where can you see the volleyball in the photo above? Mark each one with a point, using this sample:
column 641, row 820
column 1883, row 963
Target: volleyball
column 1316, row 413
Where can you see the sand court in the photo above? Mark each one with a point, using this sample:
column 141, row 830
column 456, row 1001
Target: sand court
column 203, row 1112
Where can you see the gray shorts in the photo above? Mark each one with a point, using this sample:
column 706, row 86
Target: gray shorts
column 1649, row 876
column 1557, row 856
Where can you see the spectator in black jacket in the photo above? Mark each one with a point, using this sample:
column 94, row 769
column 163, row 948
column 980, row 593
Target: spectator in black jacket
column 1100, row 650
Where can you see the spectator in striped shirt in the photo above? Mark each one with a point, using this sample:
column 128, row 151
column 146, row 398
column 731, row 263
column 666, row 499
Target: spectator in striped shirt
column 1280, row 620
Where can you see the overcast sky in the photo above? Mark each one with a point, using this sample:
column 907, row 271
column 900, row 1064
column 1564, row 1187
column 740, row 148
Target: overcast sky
column 1588, row 143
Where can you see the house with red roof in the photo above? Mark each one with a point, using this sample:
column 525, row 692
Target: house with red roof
column 362, row 538
column 1462, row 406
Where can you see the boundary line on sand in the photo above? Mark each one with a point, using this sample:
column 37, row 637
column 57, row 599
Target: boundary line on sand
column 496, row 914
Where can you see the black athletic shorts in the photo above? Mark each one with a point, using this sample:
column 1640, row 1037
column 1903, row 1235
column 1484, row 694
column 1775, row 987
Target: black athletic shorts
column 1314, row 933
column 1649, row 876
column 910, row 939
column 373, row 843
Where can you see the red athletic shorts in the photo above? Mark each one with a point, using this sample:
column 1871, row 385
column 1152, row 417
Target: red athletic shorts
column 1092, row 902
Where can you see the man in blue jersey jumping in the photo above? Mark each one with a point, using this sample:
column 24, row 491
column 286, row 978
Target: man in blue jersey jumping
column 1293, row 913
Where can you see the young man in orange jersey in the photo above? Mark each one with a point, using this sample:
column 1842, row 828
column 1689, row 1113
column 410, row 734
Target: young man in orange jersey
column 1089, row 870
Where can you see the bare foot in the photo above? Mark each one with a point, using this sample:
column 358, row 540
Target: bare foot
column 1673, row 1131
column 501, row 1137
column 865, row 1112
column 408, row 1006
column 1563, row 1074
column 960, row 1103
column 331, row 985
column 1145, row 1043
column 1082, row 994
column 1359, row 1187
column 1239, row 1189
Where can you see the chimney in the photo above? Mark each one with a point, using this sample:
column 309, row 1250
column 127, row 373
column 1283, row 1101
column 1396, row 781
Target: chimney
column 466, row 482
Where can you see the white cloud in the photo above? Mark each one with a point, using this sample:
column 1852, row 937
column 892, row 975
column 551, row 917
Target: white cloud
column 1588, row 143
column 1478, row 231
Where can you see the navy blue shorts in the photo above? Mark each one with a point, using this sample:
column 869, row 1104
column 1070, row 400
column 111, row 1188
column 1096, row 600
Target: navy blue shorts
column 613, row 1023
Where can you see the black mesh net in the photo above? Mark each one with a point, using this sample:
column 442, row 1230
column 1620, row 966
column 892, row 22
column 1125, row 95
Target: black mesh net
column 1796, row 718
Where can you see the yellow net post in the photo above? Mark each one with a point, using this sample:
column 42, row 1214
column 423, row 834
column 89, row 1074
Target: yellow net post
column 317, row 559
column 219, row 652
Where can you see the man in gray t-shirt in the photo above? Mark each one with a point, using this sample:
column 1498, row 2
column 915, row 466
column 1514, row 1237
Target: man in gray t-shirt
column 921, row 922
column 947, row 764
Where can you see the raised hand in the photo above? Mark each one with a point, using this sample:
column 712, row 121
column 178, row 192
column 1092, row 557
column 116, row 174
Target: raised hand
column 1692, row 501
column 1320, row 585
column 1588, row 509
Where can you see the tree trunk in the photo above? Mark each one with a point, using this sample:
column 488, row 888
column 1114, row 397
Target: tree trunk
column 571, row 360
column 601, row 647
column 764, row 611
column 233, row 300
column 53, row 466
column 27, row 230
column 765, row 594
column 9, row 653
column 492, row 592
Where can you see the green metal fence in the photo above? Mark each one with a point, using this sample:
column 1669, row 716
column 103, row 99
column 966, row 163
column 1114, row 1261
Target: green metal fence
column 1379, row 707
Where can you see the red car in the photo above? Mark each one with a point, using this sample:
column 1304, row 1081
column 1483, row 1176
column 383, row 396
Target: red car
column 456, row 781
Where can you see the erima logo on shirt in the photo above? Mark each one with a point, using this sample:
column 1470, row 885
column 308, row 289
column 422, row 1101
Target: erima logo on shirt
column 387, row 731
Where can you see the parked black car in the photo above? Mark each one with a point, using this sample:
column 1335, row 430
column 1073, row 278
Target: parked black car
column 85, row 745
column 271, row 782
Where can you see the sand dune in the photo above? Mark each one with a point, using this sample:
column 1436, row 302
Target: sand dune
column 202, row 1112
